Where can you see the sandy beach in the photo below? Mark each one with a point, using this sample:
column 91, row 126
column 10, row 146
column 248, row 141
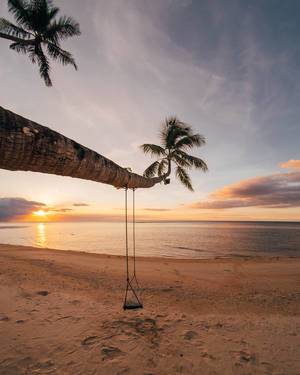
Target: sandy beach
column 61, row 313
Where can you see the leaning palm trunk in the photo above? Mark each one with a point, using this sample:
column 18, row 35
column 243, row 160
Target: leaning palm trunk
column 28, row 146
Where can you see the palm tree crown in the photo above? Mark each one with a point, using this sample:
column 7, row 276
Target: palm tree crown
column 38, row 30
column 176, row 139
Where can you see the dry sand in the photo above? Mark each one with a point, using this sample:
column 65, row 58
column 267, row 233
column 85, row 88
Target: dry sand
column 61, row 313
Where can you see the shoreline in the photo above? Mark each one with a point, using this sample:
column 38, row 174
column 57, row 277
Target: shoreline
column 263, row 258
column 61, row 312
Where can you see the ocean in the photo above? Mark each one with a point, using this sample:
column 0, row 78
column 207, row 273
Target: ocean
column 188, row 240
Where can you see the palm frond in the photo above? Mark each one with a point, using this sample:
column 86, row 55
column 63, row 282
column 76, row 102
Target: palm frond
column 151, row 170
column 52, row 12
column 39, row 14
column 19, row 47
column 173, row 129
column 189, row 141
column 63, row 28
column 174, row 121
column 166, row 127
column 57, row 53
column 19, row 8
column 175, row 133
column 193, row 160
column 162, row 167
column 11, row 29
column 184, row 178
column 180, row 161
column 44, row 65
column 31, row 50
column 153, row 150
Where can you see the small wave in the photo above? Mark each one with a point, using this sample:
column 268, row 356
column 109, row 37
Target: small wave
column 192, row 249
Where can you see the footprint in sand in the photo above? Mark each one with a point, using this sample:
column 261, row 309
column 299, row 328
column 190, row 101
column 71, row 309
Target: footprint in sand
column 44, row 365
column 75, row 302
column 20, row 321
column 124, row 371
column 169, row 289
column 190, row 335
column 268, row 367
column 135, row 328
column 43, row 293
column 91, row 340
column 245, row 357
column 111, row 352
column 207, row 356
column 4, row 318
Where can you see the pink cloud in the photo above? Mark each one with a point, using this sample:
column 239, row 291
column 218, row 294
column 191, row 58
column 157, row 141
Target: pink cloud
column 280, row 190
column 291, row 164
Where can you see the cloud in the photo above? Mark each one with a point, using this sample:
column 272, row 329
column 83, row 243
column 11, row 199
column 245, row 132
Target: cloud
column 157, row 209
column 13, row 208
column 61, row 209
column 291, row 164
column 80, row 205
column 280, row 190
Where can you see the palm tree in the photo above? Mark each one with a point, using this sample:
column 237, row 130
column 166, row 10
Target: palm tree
column 176, row 138
column 28, row 146
column 37, row 31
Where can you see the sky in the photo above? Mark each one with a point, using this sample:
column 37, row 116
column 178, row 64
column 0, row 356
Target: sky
column 229, row 69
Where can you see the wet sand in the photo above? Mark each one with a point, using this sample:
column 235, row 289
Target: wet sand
column 61, row 313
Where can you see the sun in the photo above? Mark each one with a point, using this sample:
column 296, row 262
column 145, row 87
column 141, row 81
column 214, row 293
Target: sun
column 40, row 213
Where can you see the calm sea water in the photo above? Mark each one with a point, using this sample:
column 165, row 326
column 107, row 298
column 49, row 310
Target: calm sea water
column 177, row 240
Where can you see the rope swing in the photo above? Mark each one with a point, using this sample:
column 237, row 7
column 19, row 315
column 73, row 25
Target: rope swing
column 131, row 300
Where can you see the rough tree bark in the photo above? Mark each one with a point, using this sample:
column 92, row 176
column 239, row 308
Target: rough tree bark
column 28, row 146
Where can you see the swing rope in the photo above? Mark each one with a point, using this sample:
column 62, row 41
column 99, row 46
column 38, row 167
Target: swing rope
column 133, row 235
column 133, row 231
column 129, row 287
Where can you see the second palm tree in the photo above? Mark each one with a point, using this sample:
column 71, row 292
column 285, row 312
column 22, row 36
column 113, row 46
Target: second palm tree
column 176, row 139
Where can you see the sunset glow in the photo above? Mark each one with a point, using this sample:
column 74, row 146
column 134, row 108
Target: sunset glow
column 227, row 88
column 40, row 213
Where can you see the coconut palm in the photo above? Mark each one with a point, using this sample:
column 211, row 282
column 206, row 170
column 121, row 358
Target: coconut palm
column 28, row 146
column 38, row 33
column 176, row 139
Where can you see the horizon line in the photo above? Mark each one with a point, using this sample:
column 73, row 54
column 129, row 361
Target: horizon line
column 151, row 221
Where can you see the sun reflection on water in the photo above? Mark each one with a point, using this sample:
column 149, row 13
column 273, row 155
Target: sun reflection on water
column 41, row 235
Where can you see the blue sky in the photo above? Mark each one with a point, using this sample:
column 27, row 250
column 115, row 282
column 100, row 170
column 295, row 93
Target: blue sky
column 229, row 68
